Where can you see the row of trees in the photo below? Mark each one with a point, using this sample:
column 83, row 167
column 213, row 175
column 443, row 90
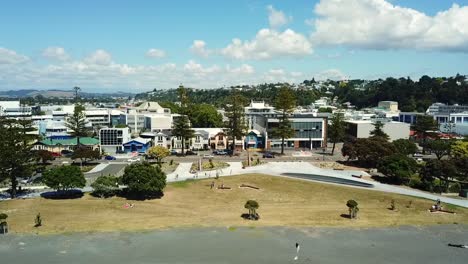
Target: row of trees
column 219, row 97
column 142, row 180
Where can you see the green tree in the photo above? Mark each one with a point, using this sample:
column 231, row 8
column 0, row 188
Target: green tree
column 405, row 146
column 353, row 208
column 44, row 156
column 144, row 180
column 424, row 127
column 325, row 110
column 252, row 206
column 336, row 130
column 105, row 186
column 77, row 124
column 16, row 155
column 64, row 178
column 183, row 130
column 378, row 131
column 206, row 116
column 234, row 108
column 368, row 151
column 285, row 103
column 158, row 153
column 440, row 147
column 459, row 149
column 444, row 170
column 183, row 98
column 399, row 168
column 85, row 154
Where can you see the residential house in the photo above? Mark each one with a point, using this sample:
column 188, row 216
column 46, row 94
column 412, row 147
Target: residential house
column 139, row 145
column 57, row 145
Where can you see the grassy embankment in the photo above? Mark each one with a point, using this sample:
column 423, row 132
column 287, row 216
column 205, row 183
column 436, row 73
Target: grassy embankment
column 283, row 202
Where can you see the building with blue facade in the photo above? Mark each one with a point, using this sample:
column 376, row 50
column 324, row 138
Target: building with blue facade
column 140, row 145
column 254, row 139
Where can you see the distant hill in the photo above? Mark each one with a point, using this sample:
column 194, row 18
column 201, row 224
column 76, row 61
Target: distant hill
column 59, row 94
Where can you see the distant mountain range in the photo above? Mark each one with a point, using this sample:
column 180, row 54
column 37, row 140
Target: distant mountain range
column 59, row 94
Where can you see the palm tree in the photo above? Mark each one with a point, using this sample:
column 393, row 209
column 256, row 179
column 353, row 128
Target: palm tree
column 77, row 124
column 353, row 208
column 252, row 205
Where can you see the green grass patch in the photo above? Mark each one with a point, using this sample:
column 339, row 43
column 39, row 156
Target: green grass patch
column 210, row 165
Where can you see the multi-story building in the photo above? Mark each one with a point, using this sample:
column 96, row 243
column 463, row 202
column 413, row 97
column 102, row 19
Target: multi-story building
column 111, row 140
column 158, row 117
column 451, row 118
column 309, row 132
column 257, row 109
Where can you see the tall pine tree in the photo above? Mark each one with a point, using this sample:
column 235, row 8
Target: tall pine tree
column 285, row 103
column 235, row 113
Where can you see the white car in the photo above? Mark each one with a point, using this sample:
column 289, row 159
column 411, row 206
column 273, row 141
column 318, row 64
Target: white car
column 208, row 156
column 134, row 160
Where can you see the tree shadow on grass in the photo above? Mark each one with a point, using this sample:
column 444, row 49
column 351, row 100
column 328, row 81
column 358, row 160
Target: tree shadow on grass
column 250, row 217
column 58, row 195
column 345, row 216
column 386, row 180
column 140, row 196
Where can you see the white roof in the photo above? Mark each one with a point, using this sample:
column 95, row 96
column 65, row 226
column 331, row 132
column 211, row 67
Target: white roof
column 140, row 139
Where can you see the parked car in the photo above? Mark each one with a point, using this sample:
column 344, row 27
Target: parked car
column 56, row 154
column 208, row 156
column 108, row 157
column 135, row 159
column 189, row 152
column 173, row 152
column 221, row 152
column 268, row 155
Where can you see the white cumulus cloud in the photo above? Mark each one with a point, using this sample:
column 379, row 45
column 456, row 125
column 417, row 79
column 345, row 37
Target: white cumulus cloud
column 155, row 53
column 269, row 44
column 277, row 18
column 99, row 57
column 199, row 48
column 379, row 24
column 55, row 53
column 8, row 56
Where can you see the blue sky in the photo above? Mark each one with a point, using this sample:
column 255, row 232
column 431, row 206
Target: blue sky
column 140, row 45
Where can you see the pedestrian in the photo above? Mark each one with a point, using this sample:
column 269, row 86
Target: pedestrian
column 212, row 185
column 298, row 247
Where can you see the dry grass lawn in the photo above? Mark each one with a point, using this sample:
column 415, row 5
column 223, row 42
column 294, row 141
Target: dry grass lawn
column 283, row 202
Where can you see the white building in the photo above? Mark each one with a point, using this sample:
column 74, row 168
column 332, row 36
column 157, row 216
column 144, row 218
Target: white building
column 391, row 106
column 255, row 110
column 111, row 139
column 157, row 117
column 362, row 129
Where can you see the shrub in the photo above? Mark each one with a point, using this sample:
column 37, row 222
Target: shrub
column 454, row 187
column 353, row 208
column 38, row 220
column 105, row 186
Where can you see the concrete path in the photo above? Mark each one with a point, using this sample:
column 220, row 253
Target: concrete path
column 98, row 168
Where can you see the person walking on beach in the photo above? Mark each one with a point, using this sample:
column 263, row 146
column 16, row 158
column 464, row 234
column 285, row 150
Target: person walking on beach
column 298, row 247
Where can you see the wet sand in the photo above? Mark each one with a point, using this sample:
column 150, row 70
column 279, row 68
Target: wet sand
column 243, row 245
